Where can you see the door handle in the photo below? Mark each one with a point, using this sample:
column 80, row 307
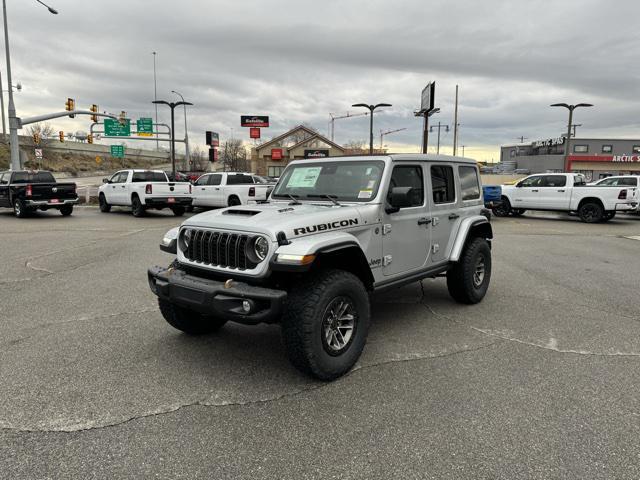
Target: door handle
column 217, row 189
column 453, row 216
column 424, row 221
column 534, row 190
column 561, row 190
column 202, row 188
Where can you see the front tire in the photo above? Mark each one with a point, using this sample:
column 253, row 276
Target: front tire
column 104, row 206
column 591, row 212
column 503, row 209
column 469, row 279
column 516, row 212
column 66, row 210
column 136, row 207
column 326, row 323
column 188, row 321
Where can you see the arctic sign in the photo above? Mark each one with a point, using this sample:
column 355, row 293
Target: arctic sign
column 552, row 142
column 254, row 121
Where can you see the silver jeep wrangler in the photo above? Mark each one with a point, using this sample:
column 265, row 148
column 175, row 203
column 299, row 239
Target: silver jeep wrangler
column 333, row 232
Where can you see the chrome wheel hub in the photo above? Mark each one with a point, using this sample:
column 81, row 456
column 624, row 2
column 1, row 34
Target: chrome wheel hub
column 338, row 325
column 478, row 272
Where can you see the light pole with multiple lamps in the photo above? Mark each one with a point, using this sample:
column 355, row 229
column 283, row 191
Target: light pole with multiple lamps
column 187, row 154
column 571, row 108
column 172, row 106
column 371, row 109
column 13, row 120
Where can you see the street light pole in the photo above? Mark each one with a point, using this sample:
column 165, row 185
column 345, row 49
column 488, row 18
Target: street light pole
column 186, row 131
column 155, row 97
column 4, row 126
column 571, row 108
column 13, row 120
column 172, row 106
column 371, row 109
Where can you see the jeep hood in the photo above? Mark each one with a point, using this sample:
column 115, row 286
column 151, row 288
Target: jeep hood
column 293, row 220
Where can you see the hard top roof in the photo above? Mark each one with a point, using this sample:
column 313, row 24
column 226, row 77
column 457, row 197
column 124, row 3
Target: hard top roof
column 396, row 157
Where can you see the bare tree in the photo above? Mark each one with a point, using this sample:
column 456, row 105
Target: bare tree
column 233, row 155
column 45, row 131
column 199, row 160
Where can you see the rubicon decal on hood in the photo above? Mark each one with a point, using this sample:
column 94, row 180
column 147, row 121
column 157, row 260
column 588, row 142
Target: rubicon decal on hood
column 325, row 226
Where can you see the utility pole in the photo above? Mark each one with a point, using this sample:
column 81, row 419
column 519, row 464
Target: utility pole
column 440, row 126
column 155, row 97
column 574, row 128
column 571, row 108
column 455, row 126
column 462, row 146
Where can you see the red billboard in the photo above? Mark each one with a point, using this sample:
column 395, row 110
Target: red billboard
column 254, row 132
column 276, row 154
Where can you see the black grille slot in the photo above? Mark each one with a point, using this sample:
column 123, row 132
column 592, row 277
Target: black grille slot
column 219, row 249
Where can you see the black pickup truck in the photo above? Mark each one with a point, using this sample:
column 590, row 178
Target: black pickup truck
column 26, row 191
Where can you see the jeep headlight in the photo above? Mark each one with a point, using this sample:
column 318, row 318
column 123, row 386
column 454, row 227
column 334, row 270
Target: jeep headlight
column 261, row 248
column 169, row 241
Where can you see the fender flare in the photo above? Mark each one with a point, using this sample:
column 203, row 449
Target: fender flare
column 466, row 226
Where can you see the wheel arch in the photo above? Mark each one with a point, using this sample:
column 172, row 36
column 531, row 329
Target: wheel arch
column 346, row 256
column 473, row 227
column 590, row 200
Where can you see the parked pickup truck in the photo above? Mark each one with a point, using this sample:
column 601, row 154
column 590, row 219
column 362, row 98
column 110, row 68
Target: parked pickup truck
column 142, row 190
column 228, row 189
column 333, row 235
column 567, row 192
column 26, row 191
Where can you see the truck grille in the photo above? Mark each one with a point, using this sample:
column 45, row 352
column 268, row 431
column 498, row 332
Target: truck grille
column 219, row 249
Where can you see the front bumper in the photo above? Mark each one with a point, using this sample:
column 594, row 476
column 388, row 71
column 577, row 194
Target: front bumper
column 163, row 202
column 224, row 299
column 49, row 203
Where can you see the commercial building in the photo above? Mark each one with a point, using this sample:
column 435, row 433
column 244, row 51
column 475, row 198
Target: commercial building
column 596, row 158
column 270, row 158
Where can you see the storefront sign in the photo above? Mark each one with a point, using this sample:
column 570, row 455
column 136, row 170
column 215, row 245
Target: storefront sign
column 212, row 139
column 276, row 154
column 254, row 121
column 254, row 132
column 626, row 158
column 316, row 153
column 551, row 142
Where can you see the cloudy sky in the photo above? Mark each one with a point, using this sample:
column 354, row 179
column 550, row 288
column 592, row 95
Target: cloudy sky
column 297, row 61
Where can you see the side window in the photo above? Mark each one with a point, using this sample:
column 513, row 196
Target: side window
column 628, row 182
column 608, row 182
column 409, row 176
column 579, row 180
column 444, row 190
column 203, row 180
column 554, row 181
column 469, row 185
column 532, row 181
column 215, row 179
column 114, row 178
column 123, row 177
column 4, row 178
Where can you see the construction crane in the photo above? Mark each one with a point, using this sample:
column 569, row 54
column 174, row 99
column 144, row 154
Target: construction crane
column 382, row 134
column 338, row 117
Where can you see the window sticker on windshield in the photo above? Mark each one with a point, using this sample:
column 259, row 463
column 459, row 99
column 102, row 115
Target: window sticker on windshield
column 365, row 193
column 304, row 177
column 371, row 184
column 368, row 171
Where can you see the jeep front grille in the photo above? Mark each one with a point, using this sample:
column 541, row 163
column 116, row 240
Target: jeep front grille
column 219, row 249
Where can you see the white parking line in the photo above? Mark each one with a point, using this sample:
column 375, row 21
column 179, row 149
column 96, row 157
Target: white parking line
column 633, row 237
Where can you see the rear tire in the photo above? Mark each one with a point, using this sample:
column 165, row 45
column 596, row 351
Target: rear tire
column 234, row 201
column 608, row 216
column 326, row 323
column 19, row 208
column 136, row 207
column 104, row 206
column 66, row 210
column 591, row 212
column 178, row 211
column 503, row 209
column 188, row 321
column 469, row 279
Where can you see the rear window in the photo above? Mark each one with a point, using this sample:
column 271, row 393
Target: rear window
column 239, row 179
column 469, row 185
column 442, row 184
column 149, row 177
column 30, row 177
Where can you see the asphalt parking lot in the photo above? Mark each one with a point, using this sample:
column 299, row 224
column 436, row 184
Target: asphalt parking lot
column 540, row 380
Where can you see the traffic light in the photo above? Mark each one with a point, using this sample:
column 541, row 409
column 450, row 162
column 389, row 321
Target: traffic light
column 94, row 109
column 70, row 106
column 36, row 138
column 89, row 138
column 61, row 135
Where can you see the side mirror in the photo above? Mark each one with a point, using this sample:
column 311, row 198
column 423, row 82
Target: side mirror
column 105, row 180
column 400, row 197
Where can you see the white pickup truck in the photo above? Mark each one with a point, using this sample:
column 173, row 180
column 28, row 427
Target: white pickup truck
column 227, row 189
column 567, row 192
column 142, row 190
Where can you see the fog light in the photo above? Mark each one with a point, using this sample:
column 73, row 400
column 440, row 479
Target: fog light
column 246, row 306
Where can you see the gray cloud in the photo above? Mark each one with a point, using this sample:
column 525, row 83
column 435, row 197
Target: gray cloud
column 298, row 61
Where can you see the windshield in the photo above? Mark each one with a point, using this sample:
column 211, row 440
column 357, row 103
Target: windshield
column 346, row 181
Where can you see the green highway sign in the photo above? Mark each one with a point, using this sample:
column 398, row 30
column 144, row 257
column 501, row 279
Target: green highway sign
column 113, row 128
column 144, row 127
column 117, row 151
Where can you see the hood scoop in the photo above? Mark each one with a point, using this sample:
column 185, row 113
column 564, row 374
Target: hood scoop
column 243, row 213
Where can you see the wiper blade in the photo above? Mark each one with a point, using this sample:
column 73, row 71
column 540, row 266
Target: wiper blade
column 325, row 195
column 294, row 199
